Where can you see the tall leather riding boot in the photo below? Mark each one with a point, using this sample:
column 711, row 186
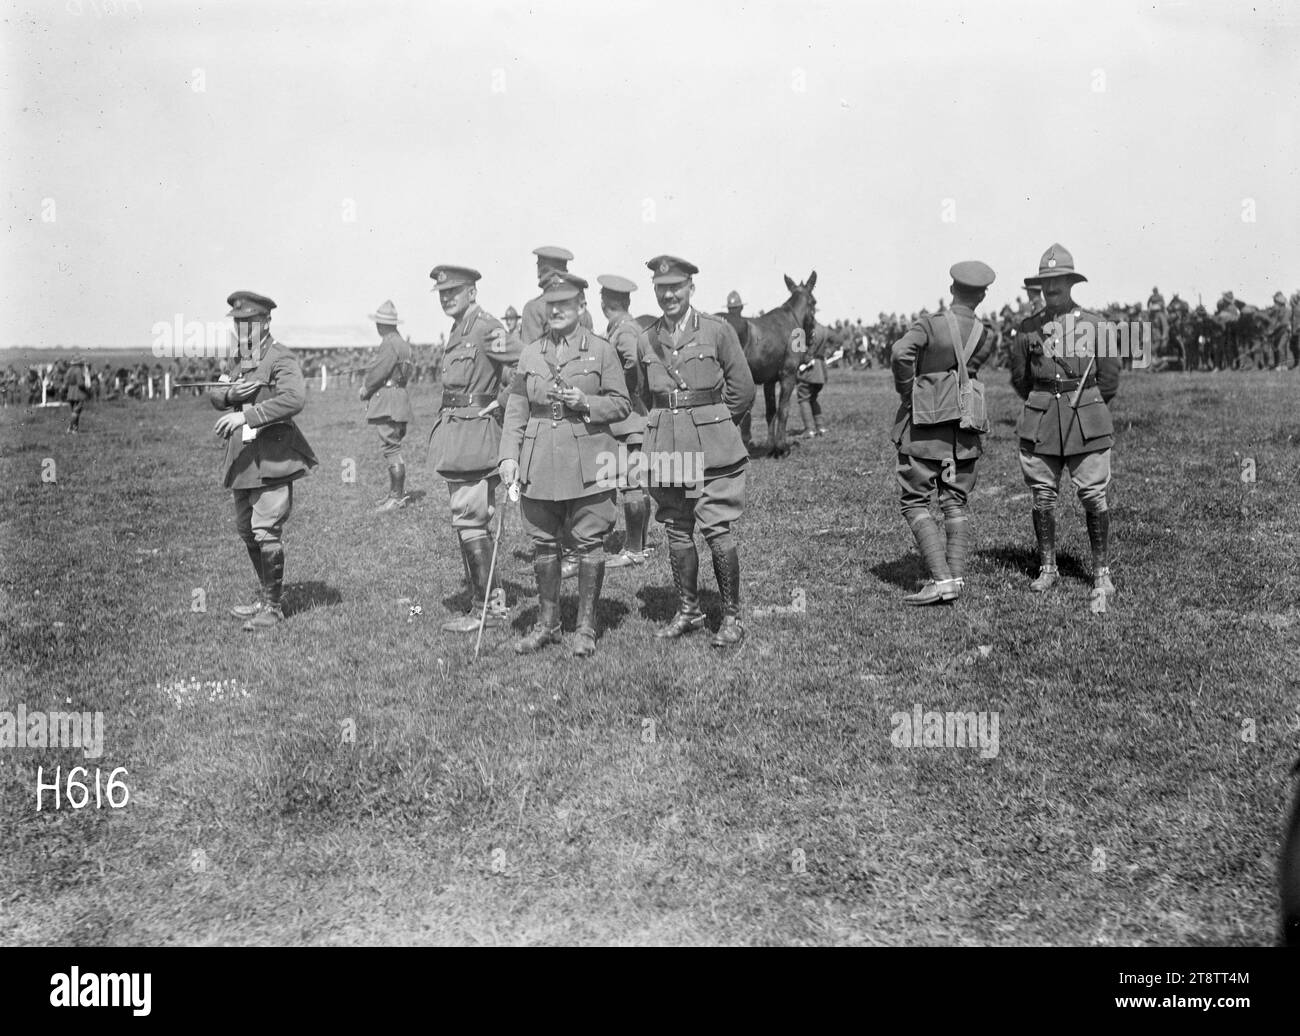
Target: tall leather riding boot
column 272, row 588
column 685, row 564
column 929, row 543
column 636, row 513
column 957, row 529
column 487, row 582
column 1099, row 541
column 247, row 611
column 546, row 567
column 477, row 555
column 591, row 574
column 726, row 568
column 1045, row 534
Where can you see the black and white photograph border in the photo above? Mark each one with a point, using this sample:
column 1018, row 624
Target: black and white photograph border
column 711, row 474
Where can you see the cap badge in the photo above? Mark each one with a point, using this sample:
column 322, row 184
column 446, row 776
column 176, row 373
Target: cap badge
column 442, row 276
column 1051, row 263
column 663, row 267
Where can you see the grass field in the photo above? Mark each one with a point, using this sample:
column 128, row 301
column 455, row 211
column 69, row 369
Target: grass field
column 657, row 793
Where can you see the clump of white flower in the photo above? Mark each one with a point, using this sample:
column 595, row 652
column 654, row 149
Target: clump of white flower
column 190, row 691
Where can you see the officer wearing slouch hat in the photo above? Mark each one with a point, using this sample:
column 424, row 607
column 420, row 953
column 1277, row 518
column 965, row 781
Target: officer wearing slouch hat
column 550, row 259
column 696, row 385
column 734, row 303
column 623, row 332
column 511, row 318
column 556, row 443
column 389, row 409
column 1066, row 423
column 476, row 367
column 938, row 456
column 265, row 451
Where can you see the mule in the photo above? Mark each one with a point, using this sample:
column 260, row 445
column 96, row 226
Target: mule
column 773, row 361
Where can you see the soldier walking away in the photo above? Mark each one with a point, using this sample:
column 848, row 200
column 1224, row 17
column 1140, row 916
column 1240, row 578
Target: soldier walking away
column 623, row 333
column 389, row 409
column 265, row 451
column 811, row 379
column 1066, row 420
column 76, row 388
column 466, row 435
column 569, row 390
column 697, row 386
column 936, row 454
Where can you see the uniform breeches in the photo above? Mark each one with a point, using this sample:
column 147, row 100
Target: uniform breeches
column 807, row 393
column 720, row 501
column 583, row 523
column 920, row 477
column 472, row 505
column 391, row 434
column 260, row 514
column 1090, row 473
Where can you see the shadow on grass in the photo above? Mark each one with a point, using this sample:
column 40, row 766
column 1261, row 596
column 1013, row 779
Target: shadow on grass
column 905, row 572
column 303, row 597
column 1025, row 561
column 609, row 614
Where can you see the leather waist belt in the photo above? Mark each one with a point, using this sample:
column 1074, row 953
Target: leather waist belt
column 680, row 399
column 1064, row 385
column 457, row 399
column 553, row 412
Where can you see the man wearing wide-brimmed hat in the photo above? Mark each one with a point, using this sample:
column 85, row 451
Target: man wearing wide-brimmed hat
column 1067, row 377
column 389, row 410
column 623, row 333
column 265, row 451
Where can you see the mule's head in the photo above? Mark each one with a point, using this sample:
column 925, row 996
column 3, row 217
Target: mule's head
column 802, row 302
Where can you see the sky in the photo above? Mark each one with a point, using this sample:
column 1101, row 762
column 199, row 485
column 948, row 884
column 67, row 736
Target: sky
column 160, row 154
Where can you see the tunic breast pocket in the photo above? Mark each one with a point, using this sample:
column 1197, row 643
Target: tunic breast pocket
column 700, row 367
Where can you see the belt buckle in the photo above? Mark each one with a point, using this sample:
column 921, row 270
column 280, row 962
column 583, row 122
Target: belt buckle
column 672, row 399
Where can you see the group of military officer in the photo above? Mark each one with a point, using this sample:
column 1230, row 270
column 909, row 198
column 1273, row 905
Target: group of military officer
column 548, row 412
column 549, row 408
column 1065, row 423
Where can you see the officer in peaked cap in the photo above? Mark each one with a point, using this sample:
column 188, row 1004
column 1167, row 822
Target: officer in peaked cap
column 734, row 303
column 265, row 451
column 1063, row 370
column 936, row 455
column 550, row 259
column 623, row 333
column 556, row 441
column 696, row 385
column 476, row 368
column 389, row 409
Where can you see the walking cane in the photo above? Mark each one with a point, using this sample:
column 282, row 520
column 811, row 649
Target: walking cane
column 512, row 493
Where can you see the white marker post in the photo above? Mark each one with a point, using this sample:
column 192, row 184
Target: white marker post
column 324, row 377
column 148, row 380
column 167, row 384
